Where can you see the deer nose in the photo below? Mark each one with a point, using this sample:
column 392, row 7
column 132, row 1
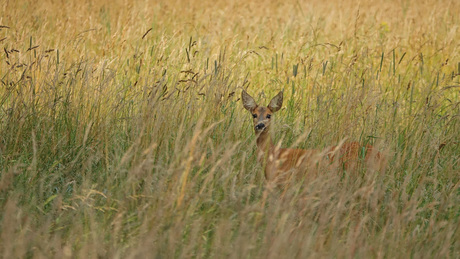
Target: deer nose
column 260, row 126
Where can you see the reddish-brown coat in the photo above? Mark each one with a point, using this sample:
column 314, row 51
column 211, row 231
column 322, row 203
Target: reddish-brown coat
column 283, row 163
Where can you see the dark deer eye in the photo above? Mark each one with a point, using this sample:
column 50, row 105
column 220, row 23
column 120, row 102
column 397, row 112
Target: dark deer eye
column 254, row 116
column 268, row 116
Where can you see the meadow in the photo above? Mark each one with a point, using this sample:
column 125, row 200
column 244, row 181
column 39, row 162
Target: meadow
column 122, row 132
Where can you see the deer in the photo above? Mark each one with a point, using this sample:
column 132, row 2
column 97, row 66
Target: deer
column 282, row 164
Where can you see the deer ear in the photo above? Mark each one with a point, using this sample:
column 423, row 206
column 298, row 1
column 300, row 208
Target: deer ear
column 248, row 102
column 276, row 103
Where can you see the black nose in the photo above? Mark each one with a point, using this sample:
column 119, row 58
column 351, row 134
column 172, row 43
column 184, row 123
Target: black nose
column 260, row 126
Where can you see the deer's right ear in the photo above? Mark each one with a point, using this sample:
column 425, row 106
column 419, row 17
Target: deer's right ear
column 276, row 103
column 248, row 102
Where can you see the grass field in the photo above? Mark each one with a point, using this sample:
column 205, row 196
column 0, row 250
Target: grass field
column 122, row 132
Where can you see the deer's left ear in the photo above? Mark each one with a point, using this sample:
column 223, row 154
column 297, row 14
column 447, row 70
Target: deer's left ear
column 276, row 103
column 248, row 102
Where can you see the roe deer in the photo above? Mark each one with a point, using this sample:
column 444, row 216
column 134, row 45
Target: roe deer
column 280, row 163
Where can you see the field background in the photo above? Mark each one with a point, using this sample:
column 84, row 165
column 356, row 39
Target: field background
column 122, row 134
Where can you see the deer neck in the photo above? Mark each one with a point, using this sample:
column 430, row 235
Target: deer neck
column 264, row 145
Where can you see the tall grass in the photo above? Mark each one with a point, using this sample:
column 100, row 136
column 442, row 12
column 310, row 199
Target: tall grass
column 122, row 133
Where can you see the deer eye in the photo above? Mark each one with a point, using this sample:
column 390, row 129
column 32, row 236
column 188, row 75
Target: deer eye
column 269, row 116
column 254, row 116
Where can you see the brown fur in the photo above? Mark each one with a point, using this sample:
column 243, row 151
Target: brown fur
column 281, row 164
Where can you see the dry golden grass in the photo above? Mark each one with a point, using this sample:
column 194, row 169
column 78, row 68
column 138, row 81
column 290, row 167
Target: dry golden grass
column 122, row 134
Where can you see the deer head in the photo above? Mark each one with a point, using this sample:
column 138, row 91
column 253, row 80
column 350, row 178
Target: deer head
column 261, row 115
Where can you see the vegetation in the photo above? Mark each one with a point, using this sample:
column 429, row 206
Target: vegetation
column 122, row 133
